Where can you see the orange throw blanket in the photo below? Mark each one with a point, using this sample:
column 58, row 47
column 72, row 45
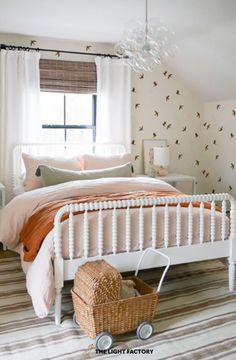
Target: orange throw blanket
column 41, row 222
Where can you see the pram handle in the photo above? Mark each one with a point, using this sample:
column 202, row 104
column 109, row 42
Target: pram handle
column 164, row 272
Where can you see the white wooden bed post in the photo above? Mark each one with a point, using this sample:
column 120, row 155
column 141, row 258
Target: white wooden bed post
column 232, row 250
column 58, row 264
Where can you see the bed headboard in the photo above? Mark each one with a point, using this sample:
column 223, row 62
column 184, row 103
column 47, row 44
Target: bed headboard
column 68, row 149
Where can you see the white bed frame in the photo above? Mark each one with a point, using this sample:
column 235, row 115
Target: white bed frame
column 226, row 247
column 64, row 269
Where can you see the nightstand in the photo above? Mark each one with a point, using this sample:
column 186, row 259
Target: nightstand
column 179, row 178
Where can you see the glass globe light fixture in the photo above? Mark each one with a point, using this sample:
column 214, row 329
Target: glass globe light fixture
column 145, row 45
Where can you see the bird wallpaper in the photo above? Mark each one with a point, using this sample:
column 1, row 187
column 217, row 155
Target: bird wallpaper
column 163, row 108
column 220, row 140
column 201, row 135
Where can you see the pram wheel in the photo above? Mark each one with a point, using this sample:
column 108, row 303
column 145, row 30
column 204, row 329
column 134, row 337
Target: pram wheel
column 145, row 330
column 104, row 341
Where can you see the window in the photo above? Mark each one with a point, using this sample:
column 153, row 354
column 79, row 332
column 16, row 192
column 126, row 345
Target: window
column 68, row 101
column 67, row 117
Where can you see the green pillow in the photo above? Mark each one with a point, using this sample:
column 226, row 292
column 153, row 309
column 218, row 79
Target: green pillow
column 53, row 176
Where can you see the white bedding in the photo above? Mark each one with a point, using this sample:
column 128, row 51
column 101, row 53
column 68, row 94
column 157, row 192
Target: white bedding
column 39, row 273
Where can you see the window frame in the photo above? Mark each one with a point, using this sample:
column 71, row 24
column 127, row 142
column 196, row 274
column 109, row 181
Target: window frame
column 65, row 126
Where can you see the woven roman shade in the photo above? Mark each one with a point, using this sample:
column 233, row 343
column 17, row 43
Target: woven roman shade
column 68, row 76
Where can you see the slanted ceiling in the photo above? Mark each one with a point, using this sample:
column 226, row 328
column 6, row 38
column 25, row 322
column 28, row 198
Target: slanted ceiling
column 205, row 32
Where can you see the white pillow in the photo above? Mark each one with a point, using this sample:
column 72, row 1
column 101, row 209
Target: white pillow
column 31, row 181
column 96, row 161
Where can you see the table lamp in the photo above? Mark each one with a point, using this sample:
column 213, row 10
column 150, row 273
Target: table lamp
column 161, row 160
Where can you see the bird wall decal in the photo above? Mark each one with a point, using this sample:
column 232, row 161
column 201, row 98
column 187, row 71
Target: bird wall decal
column 155, row 83
column 136, row 157
column 221, row 128
column 32, row 42
column 154, row 134
column 196, row 135
column 231, row 135
column 197, row 162
column 214, row 142
column 133, row 142
column 184, row 128
column 156, row 113
column 88, row 47
column 164, row 123
column 140, row 128
column 218, row 107
column 165, row 73
column 234, row 112
column 137, row 106
column 167, row 97
column 198, row 114
column 141, row 76
column 232, row 166
column 180, row 156
column 169, row 76
column 169, row 126
column 217, row 157
column 133, row 90
column 177, row 92
column 181, row 107
column 177, row 142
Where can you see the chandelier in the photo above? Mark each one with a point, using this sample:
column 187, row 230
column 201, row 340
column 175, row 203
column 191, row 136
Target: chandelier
column 145, row 45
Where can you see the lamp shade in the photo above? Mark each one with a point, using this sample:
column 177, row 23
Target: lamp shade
column 161, row 156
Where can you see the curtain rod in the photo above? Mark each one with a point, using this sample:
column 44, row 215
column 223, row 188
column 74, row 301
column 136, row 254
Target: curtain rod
column 26, row 48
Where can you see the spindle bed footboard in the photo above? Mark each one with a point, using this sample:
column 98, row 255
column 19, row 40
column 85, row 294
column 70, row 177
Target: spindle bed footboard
column 65, row 268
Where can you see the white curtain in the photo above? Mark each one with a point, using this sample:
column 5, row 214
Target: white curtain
column 19, row 106
column 113, row 102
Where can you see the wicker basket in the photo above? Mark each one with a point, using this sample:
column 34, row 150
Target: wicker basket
column 119, row 316
column 97, row 282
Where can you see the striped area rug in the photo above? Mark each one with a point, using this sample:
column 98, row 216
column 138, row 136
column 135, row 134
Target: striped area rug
column 195, row 319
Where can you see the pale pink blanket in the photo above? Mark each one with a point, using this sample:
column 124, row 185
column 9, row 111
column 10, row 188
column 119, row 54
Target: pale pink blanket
column 39, row 273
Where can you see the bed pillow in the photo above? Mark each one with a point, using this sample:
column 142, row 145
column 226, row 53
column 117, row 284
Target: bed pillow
column 96, row 161
column 53, row 176
column 31, row 181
